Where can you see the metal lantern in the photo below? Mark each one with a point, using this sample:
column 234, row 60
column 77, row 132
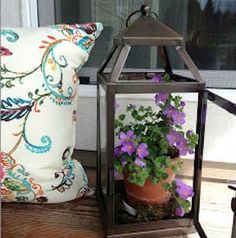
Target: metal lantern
column 149, row 31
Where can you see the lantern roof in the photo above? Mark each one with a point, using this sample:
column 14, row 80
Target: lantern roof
column 148, row 30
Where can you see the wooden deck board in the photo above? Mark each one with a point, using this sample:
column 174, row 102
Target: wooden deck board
column 81, row 219
column 78, row 218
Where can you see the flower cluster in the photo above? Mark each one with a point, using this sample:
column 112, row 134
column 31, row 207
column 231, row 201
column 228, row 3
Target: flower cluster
column 130, row 151
column 183, row 192
column 151, row 139
column 128, row 143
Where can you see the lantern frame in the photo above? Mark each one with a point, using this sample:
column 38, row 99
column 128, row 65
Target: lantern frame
column 109, row 81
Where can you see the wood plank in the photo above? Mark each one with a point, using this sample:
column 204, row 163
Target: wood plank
column 81, row 217
column 78, row 218
column 212, row 171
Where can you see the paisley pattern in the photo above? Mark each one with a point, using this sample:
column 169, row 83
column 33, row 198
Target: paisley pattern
column 10, row 35
column 67, row 174
column 38, row 111
column 81, row 35
column 16, row 184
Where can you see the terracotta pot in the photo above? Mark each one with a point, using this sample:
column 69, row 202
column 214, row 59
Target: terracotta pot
column 149, row 193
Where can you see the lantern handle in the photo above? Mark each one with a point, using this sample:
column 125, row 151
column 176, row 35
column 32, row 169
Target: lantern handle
column 145, row 10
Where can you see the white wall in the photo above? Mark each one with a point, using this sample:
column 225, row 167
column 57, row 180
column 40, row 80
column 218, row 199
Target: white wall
column 11, row 13
column 220, row 125
column 18, row 13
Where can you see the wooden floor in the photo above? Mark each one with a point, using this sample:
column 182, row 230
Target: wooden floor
column 81, row 218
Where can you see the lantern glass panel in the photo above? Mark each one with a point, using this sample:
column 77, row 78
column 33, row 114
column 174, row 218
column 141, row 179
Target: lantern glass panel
column 123, row 209
column 159, row 64
column 219, row 164
column 102, row 140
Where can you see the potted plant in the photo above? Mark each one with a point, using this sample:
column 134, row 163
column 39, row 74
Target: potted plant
column 150, row 143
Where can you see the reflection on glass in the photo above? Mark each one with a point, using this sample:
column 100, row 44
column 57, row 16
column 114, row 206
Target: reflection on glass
column 103, row 143
column 211, row 33
column 209, row 27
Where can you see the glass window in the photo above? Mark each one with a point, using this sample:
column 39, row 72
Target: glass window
column 211, row 34
column 208, row 26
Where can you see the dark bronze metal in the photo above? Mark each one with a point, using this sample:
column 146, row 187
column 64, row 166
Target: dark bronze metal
column 222, row 102
column 107, row 60
column 119, row 64
column 151, row 87
column 188, row 61
column 165, row 59
column 98, row 164
column 144, row 10
column 200, row 130
column 146, row 30
column 110, row 108
column 233, row 207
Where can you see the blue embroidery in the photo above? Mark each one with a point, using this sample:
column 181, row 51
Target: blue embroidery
column 14, row 108
column 10, row 35
column 38, row 149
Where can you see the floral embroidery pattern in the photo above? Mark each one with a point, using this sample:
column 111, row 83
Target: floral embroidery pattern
column 16, row 108
column 10, row 35
column 84, row 190
column 75, row 33
column 5, row 51
column 16, row 185
column 67, row 173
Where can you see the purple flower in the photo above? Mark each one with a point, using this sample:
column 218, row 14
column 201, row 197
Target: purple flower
column 189, row 132
column 123, row 161
column 169, row 111
column 116, row 173
column 183, row 147
column 182, row 103
column 117, row 105
column 161, row 97
column 178, row 118
column 174, row 137
column 128, row 147
column 125, row 137
column 184, row 191
column 179, row 211
column 142, row 150
column 139, row 162
column 156, row 78
column 117, row 151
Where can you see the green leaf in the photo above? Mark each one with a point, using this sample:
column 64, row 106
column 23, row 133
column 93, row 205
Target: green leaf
column 166, row 186
column 118, row 124
column 30, row 95
column 122, row 117
column 8, row 84
column 141, row 108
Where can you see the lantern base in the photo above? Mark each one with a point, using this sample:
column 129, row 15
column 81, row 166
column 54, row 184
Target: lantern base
column 154, row 233
column 160, row 228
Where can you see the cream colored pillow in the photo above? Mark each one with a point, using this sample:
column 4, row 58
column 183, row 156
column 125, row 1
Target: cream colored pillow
column 38, row 111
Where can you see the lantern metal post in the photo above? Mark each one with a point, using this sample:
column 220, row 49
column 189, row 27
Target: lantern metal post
column 200, row 130
column 146, row 30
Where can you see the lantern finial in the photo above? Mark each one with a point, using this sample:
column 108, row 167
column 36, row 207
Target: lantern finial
column 145, row 9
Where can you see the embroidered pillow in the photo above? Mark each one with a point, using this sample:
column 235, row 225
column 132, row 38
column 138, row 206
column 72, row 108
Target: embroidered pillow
column 38, row 111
